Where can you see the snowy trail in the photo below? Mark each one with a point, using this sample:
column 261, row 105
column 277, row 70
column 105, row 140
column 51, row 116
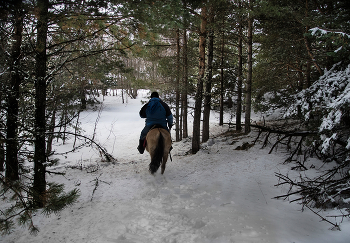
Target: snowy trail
column 219, row 195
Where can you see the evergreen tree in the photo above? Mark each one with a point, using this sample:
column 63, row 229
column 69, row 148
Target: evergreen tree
column 290, row 58
column 72, row 37
column 248, row 97
column 12, row 168
column 39, row 186
column 198, row 97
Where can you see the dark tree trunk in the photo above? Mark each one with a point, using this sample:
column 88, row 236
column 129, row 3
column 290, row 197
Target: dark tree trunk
column 2, row 154
column 11, row 173
column 221, row 119
column 199, row 95
column 51, row 131
column 207, row 94
column 248, row 98
column 184, row 89
column 82, row 99
column 177, row 115
column 39, row 187
column 239, row 79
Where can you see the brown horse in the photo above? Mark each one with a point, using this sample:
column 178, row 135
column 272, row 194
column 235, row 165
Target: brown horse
column 158, row 146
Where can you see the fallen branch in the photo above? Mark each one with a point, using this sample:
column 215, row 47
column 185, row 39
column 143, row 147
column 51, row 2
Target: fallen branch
column 103, row 151
column 330, row 189
column 335, row 225
column 55, row 173
column 97, row 184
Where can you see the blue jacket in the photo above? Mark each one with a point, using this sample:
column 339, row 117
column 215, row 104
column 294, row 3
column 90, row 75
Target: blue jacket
column 157, row 112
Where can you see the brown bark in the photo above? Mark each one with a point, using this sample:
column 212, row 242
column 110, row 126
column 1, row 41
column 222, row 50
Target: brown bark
column 207, row 94
column 307, row 42
column 177, row 115
column 239, row 78
column 311, row 55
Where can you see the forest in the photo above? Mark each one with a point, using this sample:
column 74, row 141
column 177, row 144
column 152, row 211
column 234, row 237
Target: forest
column 233, row 56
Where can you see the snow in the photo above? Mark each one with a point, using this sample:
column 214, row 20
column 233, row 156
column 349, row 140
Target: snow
column 329, row 96
column 217, row 195
column 323, row 32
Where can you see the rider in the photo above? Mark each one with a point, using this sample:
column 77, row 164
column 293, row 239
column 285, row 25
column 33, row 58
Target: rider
column 156, row 112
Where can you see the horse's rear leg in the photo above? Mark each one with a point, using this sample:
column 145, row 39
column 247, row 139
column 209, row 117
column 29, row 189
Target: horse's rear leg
column 165, row 158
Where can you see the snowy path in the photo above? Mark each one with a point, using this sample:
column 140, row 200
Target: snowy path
column 219, row 195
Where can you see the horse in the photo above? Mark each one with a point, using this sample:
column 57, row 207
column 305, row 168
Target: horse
column 158, row 146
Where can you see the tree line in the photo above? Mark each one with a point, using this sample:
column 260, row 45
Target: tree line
column 233, row 56
column 54, row 56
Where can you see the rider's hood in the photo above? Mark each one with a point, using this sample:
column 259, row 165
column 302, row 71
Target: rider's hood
column 153, row 104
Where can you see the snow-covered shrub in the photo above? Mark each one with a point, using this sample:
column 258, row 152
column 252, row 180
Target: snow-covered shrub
column 328, row 102
column 326, row 105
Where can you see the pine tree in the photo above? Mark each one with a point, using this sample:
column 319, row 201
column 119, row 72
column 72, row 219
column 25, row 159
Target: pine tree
column 12, row 168
column 198, row 97
column 208, row 79
column 66, row 44
column 248, row 97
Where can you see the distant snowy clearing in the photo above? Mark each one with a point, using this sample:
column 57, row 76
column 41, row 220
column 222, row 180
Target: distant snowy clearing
column 219, row 195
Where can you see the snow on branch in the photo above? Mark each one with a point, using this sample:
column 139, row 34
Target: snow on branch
column 323, row 31
column 329, row 98
column 324, row 108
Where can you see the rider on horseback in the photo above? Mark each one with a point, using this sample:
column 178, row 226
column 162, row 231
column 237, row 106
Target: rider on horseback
column 156, row 112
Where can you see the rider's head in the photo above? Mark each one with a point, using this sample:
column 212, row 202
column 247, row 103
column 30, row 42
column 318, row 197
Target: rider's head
column 154, row 95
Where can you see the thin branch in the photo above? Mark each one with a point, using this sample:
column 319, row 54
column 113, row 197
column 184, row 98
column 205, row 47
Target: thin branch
column 108, row 157
column 335, row 225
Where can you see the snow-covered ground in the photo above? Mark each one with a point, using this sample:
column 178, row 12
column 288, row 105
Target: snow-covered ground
column 218, row 195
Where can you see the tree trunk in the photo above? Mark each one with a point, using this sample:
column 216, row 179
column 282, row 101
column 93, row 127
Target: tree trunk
column 239, row 78
column 39, row 186
column 11, row 172
column 2, row 154
column 207, row 94
column 308, row 74
column 198, row 97
column 248, row 98
column 82, row 99
column 177, row 115
column 221, row 119
column 51, row 130
column 307, row 42
column 184, row 87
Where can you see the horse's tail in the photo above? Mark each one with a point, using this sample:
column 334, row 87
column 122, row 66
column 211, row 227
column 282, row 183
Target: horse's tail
column 158, row 155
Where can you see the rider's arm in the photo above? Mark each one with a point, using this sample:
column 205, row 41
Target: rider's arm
column 170, row 120
column 168, row 114
column 143, row 111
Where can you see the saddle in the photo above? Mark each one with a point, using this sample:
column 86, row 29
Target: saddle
column 156, row 126
column 153, row 127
